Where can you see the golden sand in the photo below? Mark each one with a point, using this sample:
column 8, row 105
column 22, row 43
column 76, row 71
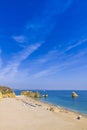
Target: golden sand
column 23, row 113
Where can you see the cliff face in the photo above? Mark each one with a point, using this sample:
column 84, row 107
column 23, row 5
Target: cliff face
column 6, row 92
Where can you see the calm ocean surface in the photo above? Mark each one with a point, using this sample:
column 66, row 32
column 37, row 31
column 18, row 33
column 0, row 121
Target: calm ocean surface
column 63, row 98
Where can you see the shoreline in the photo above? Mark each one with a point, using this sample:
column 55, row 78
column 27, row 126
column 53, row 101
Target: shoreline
column 56, row 108
column 29, row 113
column 68, row 106
column 60, row 107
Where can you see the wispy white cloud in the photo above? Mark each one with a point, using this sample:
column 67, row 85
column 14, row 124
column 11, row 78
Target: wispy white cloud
column 48, row 64
column 50, row 55
column 20, row 39
column 50, row 71
column 41, row 74
column 22, row 55
column 12, row 67
column 69, row 63
column 39, row 28
column 62, row 63
column 76, row 44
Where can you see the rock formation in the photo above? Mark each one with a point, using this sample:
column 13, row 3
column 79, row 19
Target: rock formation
column 74, row 95
column 31, row 94
column 6, row 92
column 1, row 95
column 45, row 95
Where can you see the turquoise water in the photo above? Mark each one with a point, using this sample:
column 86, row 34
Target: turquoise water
column 64, row 99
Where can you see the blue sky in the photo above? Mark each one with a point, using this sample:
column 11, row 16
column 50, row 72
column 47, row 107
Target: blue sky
column 43, row 44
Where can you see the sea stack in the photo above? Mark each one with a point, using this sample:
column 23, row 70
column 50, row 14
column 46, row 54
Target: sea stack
column 74, row 94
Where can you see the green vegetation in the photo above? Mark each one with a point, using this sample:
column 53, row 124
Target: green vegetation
column 31, row 94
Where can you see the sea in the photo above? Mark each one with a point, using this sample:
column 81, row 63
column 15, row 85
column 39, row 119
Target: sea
column 64, row 99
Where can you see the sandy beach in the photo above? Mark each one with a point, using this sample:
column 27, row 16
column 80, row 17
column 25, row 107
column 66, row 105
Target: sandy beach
column 22, row 113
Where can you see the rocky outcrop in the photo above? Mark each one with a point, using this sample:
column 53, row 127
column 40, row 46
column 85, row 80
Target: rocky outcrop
column 6, row 92
column 1, row 95
column 74, row 94
column 45, row 95
column 10, row 95
column 31, row 94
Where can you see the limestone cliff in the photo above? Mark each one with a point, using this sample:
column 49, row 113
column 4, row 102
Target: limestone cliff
column 1, row 95
column 6, row 92
column 31, row 94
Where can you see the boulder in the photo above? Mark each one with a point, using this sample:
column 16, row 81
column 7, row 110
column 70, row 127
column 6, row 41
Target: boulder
column 79, row 117
column 45, row 95
column 74, row 94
